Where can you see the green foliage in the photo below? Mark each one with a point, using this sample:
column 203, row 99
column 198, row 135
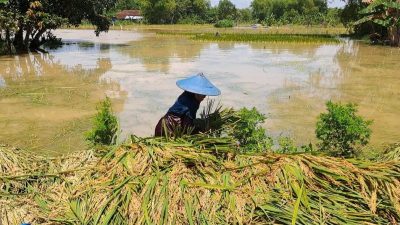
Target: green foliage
column 332, row 17
column 386, row 14
column 8, row 25
column 159, row 11
column 244, row 15
column 105, row 125
column 191, row 20
column 297, row 10
column 248, row 131
column 212, row 15
column 127, row 4
column 191, row 11
column 226, row 10
column 381, row 12
column 224, row 24
column 286, row 145
column 350, row 14
column 341, row 130
column 176, row 11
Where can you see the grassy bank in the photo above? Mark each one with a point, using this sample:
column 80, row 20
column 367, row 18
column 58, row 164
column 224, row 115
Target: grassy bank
column 196, row 180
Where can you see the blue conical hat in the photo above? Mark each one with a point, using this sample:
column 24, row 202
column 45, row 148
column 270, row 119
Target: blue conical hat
column 198, row 84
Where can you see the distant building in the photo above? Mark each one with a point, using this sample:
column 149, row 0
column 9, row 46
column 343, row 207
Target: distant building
column 130, row 15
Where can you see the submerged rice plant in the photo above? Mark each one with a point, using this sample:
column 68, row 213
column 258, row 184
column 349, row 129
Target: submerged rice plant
column 257, row 37
column 198, row 180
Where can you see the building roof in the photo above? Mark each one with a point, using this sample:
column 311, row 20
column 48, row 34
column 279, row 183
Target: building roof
column 128, row 13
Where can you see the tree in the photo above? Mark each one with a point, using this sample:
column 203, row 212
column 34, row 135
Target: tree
column 212, row 15
column 244, row 15
column 226, row 10
column 281, row 10
column 261, row 9
column 385, row 13
column 35, row 18
column 195, row 10
column 159, row 11
column 127, row 4
column 350, row 13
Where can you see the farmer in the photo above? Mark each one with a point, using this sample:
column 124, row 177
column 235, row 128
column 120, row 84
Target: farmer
column 180, row 117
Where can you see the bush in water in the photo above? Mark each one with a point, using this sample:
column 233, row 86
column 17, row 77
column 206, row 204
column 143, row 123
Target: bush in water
column 251, row 136
column 341, row 130
column 105, row 125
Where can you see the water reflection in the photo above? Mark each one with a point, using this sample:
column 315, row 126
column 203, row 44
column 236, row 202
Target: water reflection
column 157, row 54
column 45, row 105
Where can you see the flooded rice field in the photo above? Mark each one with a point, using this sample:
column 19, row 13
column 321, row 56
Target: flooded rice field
column 47, row 100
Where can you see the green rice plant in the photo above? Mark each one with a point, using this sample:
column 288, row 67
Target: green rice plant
column 216, row 120
column 255, row 37
column 244, row 126
column 341, row 130
column 105, row 125
column 260, row 37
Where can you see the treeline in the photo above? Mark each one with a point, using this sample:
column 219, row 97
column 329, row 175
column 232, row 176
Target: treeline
column 267, row 12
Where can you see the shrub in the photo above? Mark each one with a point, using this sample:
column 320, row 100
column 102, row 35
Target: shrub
column 105, row 125
column 286, row 145
column 224, row 23
column 341, row 130
column 249, row 133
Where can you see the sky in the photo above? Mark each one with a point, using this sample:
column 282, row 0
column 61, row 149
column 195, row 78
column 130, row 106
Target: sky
column 246, row 3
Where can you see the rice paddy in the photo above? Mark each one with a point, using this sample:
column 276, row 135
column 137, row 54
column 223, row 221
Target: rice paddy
column 196, row 180
column 257, row 37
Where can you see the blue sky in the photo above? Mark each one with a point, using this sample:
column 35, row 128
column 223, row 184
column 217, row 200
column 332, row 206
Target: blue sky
column 246, row 3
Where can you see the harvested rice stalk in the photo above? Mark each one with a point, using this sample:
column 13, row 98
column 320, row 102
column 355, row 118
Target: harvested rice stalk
column 150, row 181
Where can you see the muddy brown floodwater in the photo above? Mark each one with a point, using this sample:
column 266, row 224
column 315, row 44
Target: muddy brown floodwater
column 47, row 100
